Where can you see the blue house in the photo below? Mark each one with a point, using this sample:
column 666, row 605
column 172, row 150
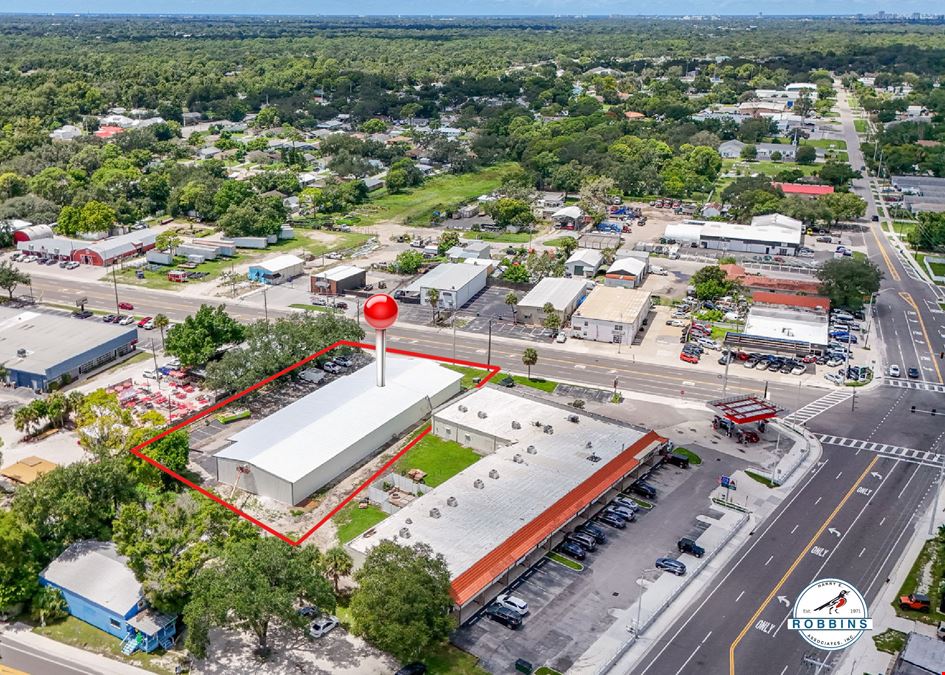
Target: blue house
column 101, row 590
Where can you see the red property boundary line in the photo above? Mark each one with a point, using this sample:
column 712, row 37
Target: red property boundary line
column 138, row 449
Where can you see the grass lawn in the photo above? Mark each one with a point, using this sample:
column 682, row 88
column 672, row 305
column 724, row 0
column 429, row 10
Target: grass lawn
column 761, row 479
column 566, row 561
column 718, row 333
column 446, row 659
column 559, row 241
column 545, row 670
column 439, row 192
column 341, row 241
column 469, row 375
column 933, row 555
column 890, row 641
column 826, row 143
column 694, row 459
column 79, row 634
column 860, row 126
column 767, row 168
column 352, row 521
column 506, row 237
column 311, row 308
column 440, row 459
column 903, row 227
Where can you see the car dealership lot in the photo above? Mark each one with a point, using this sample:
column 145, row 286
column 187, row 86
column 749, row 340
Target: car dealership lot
column 570, row 609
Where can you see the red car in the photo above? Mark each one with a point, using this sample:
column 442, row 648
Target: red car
column 125, row 305
column 144, row 321
column 688, row 358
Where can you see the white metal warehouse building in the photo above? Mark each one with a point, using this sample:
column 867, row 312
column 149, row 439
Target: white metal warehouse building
column 611, row 314
column 296, row 451
column 456, row 283
column 564, row 295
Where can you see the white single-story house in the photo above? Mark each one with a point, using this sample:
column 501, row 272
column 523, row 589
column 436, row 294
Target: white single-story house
column 584, row 262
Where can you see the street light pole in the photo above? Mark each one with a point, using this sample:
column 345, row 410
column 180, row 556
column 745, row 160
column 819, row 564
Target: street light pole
column 941, row 475
column 115, row 284
column 489, row 349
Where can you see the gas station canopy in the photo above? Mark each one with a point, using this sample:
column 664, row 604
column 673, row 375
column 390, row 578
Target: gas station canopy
column 745, row 409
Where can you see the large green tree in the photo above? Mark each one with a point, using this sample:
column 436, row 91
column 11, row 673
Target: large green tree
column 200, row 335
column 403, row 599
column 253, row 584
column 11, row 277
column 849, row 282
column 21, row 557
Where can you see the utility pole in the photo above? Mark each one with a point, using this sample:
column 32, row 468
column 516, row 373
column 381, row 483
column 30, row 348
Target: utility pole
column 157, row 373
column 489, row 349
column 266, row 303
column 115, row 284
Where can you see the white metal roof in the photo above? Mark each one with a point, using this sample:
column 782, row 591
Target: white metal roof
column 773, row 228
column 296, row 440
column 485, row 517
column 686, row 231
column 340, row 272
column 280, row 262
column 634, row 266
column 447, row 276
column 620, row 305
column 559, row 291
column 588, row 256
column 95, row 571
column 786, row 323
column 574, row 212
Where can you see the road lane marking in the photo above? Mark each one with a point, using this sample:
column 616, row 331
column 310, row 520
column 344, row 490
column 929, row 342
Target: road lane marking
column 797, row 561
column 794, row 529
column 892, row 269
column 908, row 298
column 769, row 560
column 838, row 476
column 818, row 501
column 739, row 596
column 683, row 667
column 862, row 552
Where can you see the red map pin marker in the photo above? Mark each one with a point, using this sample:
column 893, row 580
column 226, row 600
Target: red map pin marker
column 380, row 311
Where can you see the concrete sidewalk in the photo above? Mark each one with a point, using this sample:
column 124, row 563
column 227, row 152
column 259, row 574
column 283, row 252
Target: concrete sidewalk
column 664, row 600
column 23, row 649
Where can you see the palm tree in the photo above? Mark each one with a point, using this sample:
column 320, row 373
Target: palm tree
column 48, row 605
column 24, row 418
column 337, row 564
column 529, row 358
column 433, row 296
column 57, row 410
column 511, row 300
column 161, row 322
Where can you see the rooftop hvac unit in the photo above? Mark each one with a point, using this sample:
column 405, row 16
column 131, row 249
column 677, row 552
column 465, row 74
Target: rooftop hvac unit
column 494, row 474
column 531, row 450
column 478, row 484
column 482, row 414
column 574, row 418
column 516, row 425
column 463, row 408
column 593, row 458
column 405, row 533
column 588, row 445
column 517, row 458
column 434, row 513
column 548, row 429
column 536, row 423
column 451, row 501
column 21, row 352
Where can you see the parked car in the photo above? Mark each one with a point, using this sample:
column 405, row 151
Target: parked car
column 330, row 367
column 570, row 548
column 677, row 459
column 144, row 321
column 148, row 325
column 513, row 602
column 342, row 361
column 322, row 626
column 501, row 614
column 671, row 565
column 688, row 357
column 109, row 318
column 834, row 378
column 590, row 528
column 687, row 545
column 644, row 489
column 152, row 374
column 309, row 612
column 622, row 512
column 678, row 323
column 126, row 320
column 126, row 305
column 913, row 373
column 915, row 601
column 894, row 371
column 799, row 369
column 507, row 381
column 560, row 338
column 626, row 503
column 585, row 541
column 82, row 314
column 71, row 265
column 612, row 519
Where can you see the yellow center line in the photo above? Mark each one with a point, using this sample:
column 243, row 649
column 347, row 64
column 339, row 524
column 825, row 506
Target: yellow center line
column 908, row 298
column 893, row 272
column 797, row 561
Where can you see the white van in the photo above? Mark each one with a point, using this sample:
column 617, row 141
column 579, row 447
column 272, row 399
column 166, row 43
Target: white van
column 313, row 375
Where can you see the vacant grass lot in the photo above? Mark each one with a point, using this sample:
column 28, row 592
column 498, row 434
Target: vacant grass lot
column 559, row 241
column 440, row 459
column 505, row 237
column 438, row 193
column 890, row 641
column 352, row 521
column 449, row 660
column 469, row 375
column 860, row 126
column 79, row 634
column 932, row 556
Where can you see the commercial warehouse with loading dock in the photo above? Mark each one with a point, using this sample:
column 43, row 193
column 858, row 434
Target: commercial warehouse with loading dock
column 296, row 451
column 543, row 468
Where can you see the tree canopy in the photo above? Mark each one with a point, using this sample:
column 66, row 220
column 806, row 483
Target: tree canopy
column 849, row 282
column 200, row 335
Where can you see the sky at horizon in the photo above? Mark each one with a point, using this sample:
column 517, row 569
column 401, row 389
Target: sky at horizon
column 482, row 8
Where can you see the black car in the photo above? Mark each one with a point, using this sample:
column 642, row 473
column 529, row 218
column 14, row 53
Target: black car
column 507, row 617
column 913, row 373
column 677, row 459
column 612, row 520
column 686, row 545
column 415, row 668
column 584, row 540
column 590, row 528
column 109, row 318
column 643, row 489
column 507, row 381
column 84, row 314
column 569, row 548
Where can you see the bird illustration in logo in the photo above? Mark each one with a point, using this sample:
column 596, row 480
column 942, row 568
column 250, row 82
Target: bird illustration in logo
column 839, row 601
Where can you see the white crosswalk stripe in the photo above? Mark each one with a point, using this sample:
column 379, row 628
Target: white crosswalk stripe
column 894, row 451
column 814, row 408
column 910, row 384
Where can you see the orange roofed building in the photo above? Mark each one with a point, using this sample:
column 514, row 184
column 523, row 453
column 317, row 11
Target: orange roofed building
column 761, row 282
column 543, row 468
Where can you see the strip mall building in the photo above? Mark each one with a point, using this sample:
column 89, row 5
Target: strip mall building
column 544, row 470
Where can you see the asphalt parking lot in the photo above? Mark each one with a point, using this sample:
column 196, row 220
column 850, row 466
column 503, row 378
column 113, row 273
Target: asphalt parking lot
column 570, row 609
column 490, row 303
